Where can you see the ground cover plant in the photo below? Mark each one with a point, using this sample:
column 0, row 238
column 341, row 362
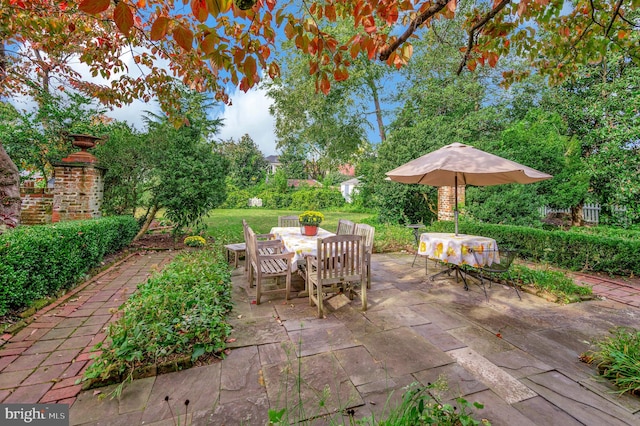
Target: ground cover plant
column 178, row 315
column 421, row 406
column 554, row 282
column 618, row 359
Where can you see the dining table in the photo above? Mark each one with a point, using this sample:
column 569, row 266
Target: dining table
column 457, row 251
column 301, row 245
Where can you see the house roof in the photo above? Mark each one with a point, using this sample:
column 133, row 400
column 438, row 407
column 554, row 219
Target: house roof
column 354, row 181
column 297, row 182
column 272, row 159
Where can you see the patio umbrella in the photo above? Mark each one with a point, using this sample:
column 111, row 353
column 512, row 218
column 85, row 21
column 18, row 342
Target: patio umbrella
column 459, row 164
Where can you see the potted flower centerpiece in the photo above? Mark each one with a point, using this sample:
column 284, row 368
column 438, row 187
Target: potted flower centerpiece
column 309, row 222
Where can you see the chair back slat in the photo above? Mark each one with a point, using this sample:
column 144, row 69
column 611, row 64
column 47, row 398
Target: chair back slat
column 288, row 221
column 340, row 258
column 368, row 232
column 345, row 227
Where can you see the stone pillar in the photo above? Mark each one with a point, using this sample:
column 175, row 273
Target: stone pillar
column 79, row 188
column 446, row 201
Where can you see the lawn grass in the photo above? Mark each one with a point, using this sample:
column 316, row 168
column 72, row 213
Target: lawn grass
column 226, row 224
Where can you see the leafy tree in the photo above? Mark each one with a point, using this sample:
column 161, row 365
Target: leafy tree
column 247, row 164
column 37, row 139
column 600, row 108
column 292, row 160
column 573, row 32
column 326, row 129
column 40, row 38
column 128, row 160
column 190, row 176
column 537, row 140
column 177, row 169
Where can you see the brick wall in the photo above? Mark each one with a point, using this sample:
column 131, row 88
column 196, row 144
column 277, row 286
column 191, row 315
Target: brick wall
column 446, row 201
column 37, row 205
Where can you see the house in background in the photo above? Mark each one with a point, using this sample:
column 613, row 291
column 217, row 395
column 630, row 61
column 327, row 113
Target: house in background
column 296, row 183
column 348, row 188
column 274, row 163
column 347, row 170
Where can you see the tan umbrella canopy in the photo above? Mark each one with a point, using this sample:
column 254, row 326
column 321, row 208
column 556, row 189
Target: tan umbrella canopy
column 459, row 164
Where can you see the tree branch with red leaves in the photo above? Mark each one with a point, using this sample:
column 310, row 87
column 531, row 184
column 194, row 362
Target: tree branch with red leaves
column 474, row 31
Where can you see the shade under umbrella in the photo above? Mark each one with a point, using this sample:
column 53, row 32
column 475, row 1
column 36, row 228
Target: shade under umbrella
column 459, row 164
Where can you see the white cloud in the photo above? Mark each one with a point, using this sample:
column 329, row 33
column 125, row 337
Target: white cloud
column 249, row 114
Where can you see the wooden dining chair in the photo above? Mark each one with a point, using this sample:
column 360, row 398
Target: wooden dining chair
column 288, row 221
column 337, row 268
column 268, row 259
column 345, row 227
column 243, row 246
column 368, row 233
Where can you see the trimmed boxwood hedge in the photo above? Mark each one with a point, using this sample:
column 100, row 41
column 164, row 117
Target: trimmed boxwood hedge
column 575, row 251
column 38, row 261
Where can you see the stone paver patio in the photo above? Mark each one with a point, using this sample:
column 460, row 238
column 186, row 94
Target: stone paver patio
column 518, row 358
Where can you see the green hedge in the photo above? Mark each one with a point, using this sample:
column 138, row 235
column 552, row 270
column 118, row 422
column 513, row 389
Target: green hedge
column 272, row 199
column 316, row 198
column 37, row 261
column 566, row 249
column 238, row 199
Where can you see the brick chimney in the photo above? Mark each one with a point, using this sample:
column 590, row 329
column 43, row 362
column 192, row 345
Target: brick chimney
column 446, row 201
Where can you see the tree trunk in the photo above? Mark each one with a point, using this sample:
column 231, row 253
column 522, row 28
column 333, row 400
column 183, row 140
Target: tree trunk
column 376, row 102
column 10, row 202
column 576, row 214
column 147, row 223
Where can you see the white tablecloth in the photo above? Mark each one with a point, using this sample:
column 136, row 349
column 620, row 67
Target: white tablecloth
column 301, row 245
column 459, row 249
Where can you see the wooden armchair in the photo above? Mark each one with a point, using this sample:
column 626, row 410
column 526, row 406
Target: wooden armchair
column 268, row 259
column 368, row 233
column 345, row 227
column 338, row 267
column 288, row 221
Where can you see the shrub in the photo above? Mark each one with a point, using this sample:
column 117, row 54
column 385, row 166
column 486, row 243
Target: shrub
column 195, row 241
column 273, row 199
column 316, row 198
column 180, row 311
column 238, row 199
column 565, row 249
column 619, row 359
column 38, row 261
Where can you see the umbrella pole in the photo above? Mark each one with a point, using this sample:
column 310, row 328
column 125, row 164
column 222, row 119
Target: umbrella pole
column 455, row 208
